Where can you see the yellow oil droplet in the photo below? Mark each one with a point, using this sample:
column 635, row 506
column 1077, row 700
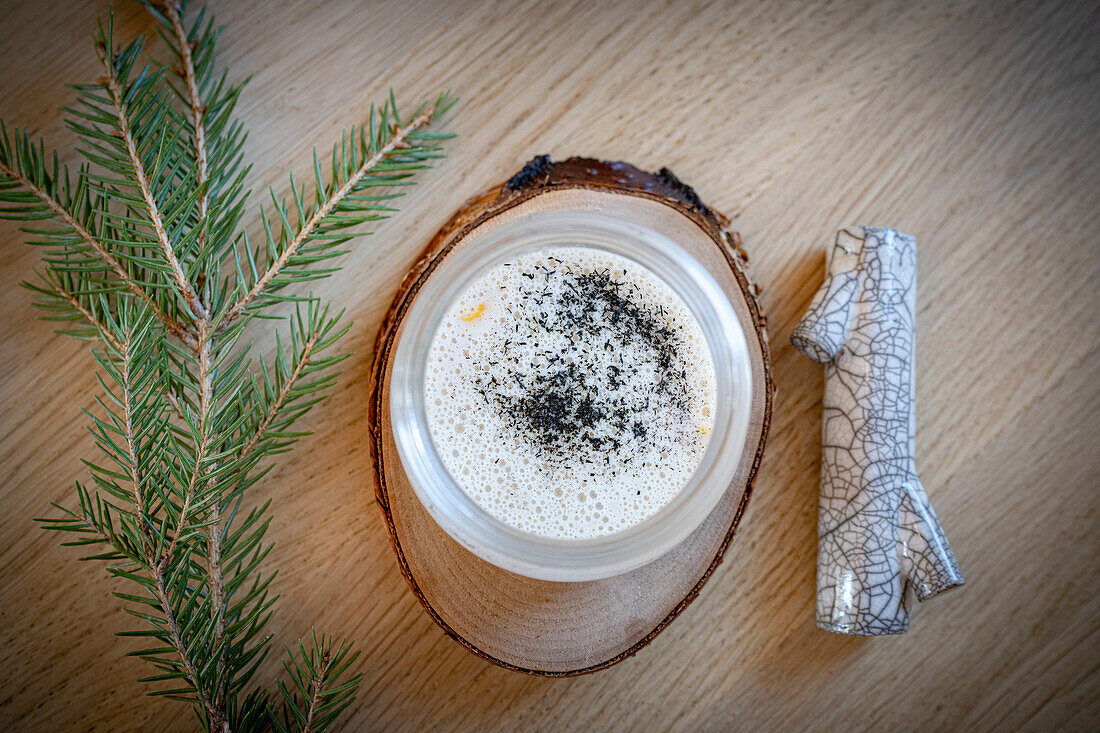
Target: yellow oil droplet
column 475, row 314
column 704, row 430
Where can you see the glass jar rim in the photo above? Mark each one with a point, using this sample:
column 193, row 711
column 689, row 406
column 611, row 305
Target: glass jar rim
column 546, row 557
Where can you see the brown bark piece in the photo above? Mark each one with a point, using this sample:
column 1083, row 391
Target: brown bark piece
column 542, row 627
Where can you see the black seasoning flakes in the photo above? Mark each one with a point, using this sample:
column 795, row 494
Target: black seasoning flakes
column 580, row 392
column 573, row 398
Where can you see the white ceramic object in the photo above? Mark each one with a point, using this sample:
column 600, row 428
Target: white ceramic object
column 877, row 533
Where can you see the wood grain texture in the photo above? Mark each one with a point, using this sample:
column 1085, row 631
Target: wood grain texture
column 971, row 126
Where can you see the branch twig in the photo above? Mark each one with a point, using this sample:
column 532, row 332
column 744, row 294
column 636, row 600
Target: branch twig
column 75, row 303
column 175, row 632
column 187, row 292
column 303, row 361
column 197, row 110
column 202, row 347
column 198, row 130
column 158, row 566
column 131, row 446
column 174, row 326
column 316, row 684
column 214, row 531
column 217, row 716
column 397, row 141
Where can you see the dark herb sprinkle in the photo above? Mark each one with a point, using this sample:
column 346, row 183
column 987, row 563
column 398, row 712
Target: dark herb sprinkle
column 565, row 401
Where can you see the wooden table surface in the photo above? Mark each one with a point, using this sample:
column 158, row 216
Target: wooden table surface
column 975, row 128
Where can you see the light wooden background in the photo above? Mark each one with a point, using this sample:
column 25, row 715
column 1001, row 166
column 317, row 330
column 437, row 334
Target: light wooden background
column 975, row 128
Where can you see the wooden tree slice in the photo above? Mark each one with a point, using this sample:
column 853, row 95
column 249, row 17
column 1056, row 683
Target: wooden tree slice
column 542, row 627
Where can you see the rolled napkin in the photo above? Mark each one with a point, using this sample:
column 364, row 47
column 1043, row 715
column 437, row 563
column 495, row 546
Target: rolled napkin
column 877, row 533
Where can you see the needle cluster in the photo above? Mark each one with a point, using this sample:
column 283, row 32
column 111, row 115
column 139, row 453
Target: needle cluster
column 145, row 254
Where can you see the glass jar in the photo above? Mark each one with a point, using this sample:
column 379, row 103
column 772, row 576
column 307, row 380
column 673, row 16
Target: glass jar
column 551, row 558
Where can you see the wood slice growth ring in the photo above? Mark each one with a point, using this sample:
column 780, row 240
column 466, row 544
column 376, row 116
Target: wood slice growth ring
column 536, row 626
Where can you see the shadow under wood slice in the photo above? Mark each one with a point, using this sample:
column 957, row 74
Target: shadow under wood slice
column 542, row 627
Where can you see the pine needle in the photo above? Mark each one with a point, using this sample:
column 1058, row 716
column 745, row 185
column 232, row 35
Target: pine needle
column 145, row 255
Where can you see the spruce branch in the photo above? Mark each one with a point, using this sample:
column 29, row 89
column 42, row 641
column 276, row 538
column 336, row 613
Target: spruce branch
column 189, row 415
column 89, row 317
column 9, row 170
column 202, row 444
column 125, row 359
column 173, row 12
column 317, row 696
column 63, row 300
column 281, row 399
column 217, row 597
column 22, row 166
column 389, row 148
column 213, row 531
column 114, row 87
column 132, row 435
column 216, row 715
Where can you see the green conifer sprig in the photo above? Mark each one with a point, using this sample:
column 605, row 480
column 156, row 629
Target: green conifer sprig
column 317, row 697
column 144, row 252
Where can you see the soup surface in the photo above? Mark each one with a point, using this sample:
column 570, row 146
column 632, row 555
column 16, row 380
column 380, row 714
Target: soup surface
column 570, row 392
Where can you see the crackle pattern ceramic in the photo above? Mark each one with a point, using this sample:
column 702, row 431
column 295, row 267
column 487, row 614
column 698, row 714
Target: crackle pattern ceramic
column 877, row 533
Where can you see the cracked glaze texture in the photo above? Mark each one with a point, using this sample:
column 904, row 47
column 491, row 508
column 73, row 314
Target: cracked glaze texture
column 877, row 533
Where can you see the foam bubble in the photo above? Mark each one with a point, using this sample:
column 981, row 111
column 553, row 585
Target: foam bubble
column 492, row 332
